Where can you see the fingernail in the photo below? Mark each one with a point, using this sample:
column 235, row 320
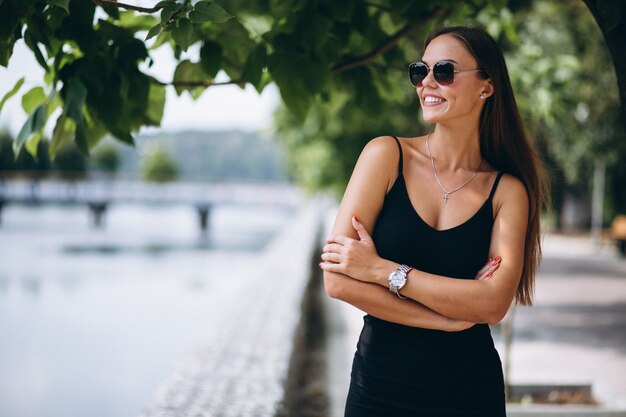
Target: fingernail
column 498, row 259
column 356, row 218
column 320, row 264
column 495, row 263
column 489, row 275
column 488, row 260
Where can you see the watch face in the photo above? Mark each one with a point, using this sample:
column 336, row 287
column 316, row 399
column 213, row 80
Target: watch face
column 397, row 279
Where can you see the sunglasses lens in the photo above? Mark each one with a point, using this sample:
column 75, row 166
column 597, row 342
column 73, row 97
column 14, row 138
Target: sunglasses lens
column 417, row 73
column 444, row 73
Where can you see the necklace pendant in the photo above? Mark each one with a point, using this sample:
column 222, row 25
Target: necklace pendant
column 445, row 198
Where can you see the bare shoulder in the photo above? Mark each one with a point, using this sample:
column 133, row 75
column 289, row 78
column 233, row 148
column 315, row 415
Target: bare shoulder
column 380, row 155
column 369, row 182
column 382, row 147
column 511, row 192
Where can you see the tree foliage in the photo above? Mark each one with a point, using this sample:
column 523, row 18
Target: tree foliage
column 96, row 54
column 335, row 63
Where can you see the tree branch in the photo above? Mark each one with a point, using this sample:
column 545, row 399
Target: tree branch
column 386, row 45
column 198, row 83
column 111, row 3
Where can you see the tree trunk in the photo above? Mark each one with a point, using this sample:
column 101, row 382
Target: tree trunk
column 616, row 42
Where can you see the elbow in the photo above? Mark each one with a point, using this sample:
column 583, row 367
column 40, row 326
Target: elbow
column 496, row 315
column 333, row 285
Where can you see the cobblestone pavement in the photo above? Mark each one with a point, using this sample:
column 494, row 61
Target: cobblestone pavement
column 240, row 367
column 576, row 331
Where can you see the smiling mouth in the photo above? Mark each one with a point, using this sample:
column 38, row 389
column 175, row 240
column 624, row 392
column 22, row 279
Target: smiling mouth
column 433, row 100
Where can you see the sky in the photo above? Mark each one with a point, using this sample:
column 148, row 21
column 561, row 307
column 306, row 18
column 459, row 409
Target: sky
column 219, row 107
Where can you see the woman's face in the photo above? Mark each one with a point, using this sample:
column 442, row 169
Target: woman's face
column 461, row 99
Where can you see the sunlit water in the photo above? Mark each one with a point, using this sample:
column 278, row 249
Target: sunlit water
column 92, row 320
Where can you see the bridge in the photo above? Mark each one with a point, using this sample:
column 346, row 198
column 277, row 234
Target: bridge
column 98, row 194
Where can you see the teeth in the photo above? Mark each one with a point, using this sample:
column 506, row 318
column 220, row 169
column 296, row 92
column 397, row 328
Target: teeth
column 431, row 99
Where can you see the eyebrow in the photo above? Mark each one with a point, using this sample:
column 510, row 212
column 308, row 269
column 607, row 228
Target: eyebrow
column 445, row 59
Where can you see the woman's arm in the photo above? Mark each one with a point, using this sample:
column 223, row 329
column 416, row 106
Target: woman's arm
column 371, row 179
column 379, row 302
column 477, row 301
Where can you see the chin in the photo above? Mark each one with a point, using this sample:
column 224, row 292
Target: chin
column 433, row 118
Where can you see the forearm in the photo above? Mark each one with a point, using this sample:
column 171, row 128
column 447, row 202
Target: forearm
column 461, row 299
column 457, row 298
column 379, row 302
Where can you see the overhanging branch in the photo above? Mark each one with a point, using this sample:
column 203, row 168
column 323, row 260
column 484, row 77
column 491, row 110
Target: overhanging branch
column 387, row 44
column 111, row 3
column 196, row 83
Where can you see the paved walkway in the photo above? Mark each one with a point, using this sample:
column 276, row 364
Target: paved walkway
column 575, row 333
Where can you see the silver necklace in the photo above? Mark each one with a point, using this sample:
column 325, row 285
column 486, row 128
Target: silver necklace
column 446, row 193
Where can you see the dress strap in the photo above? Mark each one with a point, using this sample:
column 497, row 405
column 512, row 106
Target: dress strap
column 400, row 159
column 495, row 185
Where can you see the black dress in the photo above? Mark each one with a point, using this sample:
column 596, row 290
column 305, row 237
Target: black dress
column 402, row 371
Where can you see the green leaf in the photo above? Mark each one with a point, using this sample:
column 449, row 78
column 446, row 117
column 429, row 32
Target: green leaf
column 81, row 138
column 33, row 124
column 11, row 93
column 156, row 105
column 31, row 42
column 211, row 12
column 163, row 3
column 210, row 57
column 60, row 134
column 64, row 4
column 253, row 68
column 181, row 33
column 190, row 72
column 32, row 144
column 167, row 11
column 156, row 29
column 33, row 99
column 197, row 17
column 74, row 100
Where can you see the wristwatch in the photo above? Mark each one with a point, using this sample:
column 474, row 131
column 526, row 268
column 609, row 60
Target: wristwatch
column 397, row 279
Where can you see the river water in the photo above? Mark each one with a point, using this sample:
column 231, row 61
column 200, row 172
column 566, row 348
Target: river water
column 93, row 320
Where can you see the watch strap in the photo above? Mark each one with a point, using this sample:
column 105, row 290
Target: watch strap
column 408, row 269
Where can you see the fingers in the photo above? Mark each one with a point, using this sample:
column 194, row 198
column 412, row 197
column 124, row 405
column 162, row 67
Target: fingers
column 485, row 267
column 360, row 229
column 331, row 257
column 332, row 267
column 490, row 267
column 341, row 239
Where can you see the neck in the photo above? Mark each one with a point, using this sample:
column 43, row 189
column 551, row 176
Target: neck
column 455, row 149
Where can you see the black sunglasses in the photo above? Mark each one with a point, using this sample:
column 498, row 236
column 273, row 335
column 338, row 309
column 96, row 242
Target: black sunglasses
column 443, row 71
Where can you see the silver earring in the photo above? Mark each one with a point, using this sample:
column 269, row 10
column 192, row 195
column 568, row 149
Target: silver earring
column 482, row 96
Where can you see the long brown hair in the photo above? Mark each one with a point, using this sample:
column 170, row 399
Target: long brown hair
column 504, row 144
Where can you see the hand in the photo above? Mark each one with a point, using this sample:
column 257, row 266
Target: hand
column 490, row 267
column 351, row 257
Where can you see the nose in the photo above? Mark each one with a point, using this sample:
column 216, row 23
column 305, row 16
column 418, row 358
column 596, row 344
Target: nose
column 429, row 80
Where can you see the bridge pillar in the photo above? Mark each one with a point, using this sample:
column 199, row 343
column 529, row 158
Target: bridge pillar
column 97, row 209
column 204, row 210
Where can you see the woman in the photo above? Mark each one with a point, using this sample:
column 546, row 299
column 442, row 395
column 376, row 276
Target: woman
column 455, row 221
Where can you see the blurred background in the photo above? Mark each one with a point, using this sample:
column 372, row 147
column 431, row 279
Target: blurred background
column 149, row 153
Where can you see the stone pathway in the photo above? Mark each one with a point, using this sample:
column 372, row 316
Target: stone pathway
column 240, row 368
